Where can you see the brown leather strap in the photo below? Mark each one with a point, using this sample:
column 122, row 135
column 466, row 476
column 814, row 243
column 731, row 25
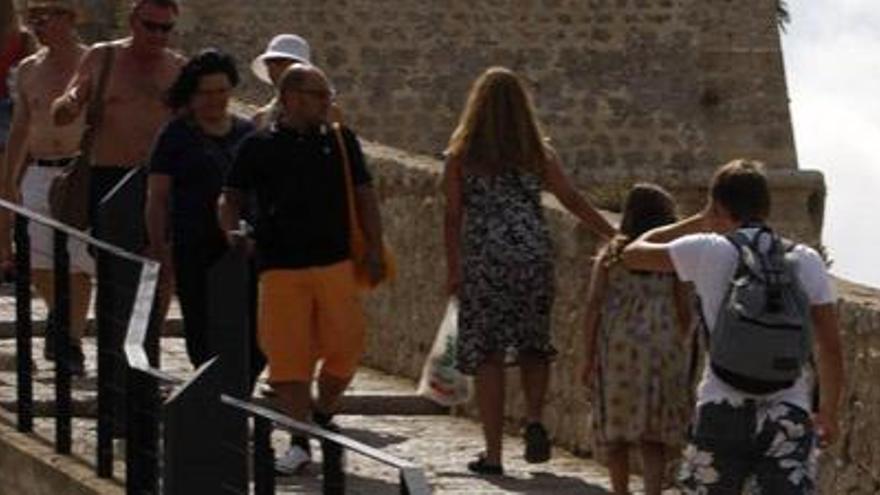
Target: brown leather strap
column 349, row 183
column 96, row 105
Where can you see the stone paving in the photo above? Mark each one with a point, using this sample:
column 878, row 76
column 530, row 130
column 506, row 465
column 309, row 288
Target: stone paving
column 441, row 444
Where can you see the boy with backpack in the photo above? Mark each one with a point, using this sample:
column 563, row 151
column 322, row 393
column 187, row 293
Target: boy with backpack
column 766, row 305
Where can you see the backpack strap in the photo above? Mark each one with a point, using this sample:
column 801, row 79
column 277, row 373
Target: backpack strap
column 744, row 253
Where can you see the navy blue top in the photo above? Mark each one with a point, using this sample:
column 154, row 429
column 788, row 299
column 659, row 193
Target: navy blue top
column 302, row 205
column 197, row 164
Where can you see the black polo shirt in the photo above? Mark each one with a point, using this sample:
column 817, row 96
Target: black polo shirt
column 299, row 183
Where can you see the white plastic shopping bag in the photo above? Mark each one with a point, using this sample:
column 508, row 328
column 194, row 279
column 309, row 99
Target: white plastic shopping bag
column 441, row 382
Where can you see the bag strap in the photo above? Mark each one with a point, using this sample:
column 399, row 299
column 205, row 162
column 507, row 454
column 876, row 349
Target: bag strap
column 96, row 105
column 349, row 183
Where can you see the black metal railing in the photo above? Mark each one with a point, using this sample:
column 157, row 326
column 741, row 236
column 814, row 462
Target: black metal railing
column 412, row 477
column 189, row 443
column 125, row 410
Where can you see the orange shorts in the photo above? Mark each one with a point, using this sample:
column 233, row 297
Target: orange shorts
column 307, row 315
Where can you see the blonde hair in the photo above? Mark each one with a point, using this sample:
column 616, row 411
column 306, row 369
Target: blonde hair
column 498, row 127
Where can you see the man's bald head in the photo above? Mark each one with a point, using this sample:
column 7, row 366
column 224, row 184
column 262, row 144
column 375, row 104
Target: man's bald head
column 298, row 76
column 305, row 95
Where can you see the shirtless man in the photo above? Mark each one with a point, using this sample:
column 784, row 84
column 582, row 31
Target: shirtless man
column 134, row 107
column 37, row 151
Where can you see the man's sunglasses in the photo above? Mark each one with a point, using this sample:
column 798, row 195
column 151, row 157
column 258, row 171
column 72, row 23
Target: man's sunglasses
column 157, row 27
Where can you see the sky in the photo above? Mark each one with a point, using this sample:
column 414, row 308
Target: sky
column 832, row 57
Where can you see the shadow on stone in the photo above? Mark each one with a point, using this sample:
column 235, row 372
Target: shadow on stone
column 540, row 483
column 310, row 482
column 372, row 438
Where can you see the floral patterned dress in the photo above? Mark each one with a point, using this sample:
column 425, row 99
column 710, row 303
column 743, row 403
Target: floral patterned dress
column 507, row 284
column 642, row 384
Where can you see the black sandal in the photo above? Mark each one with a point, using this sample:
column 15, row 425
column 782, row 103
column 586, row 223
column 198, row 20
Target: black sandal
column 537, row 444
column 480, row 466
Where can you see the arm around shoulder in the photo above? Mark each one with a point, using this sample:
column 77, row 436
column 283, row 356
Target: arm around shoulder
column 651, row 251
column 648, row 256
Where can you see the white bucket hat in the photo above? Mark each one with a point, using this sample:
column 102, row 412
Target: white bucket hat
column 288, row 46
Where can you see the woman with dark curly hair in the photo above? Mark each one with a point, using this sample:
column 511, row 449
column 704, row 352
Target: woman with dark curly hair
column 188, row 164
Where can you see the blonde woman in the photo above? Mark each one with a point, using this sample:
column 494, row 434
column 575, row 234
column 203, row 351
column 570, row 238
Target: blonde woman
column 499, row 253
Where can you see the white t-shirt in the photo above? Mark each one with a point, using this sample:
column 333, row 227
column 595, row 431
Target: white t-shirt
column 709, row 260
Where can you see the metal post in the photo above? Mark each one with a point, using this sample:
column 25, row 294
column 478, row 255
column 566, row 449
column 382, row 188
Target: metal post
column 141, row 455
column 61, row 309
column 23, row 325
column 332, row 469
column 413, row 482
column 106, row 367
column 264, row 457
column 142, row 422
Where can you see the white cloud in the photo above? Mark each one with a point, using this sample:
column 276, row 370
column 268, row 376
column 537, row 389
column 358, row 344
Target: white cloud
column 833, row 75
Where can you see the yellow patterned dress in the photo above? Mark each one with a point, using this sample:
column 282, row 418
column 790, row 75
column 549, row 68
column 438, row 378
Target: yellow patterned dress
column 642, row 387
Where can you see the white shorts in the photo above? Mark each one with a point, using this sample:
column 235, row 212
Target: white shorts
column 35, row 196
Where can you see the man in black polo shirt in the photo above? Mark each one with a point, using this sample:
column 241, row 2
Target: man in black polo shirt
column 308, row 309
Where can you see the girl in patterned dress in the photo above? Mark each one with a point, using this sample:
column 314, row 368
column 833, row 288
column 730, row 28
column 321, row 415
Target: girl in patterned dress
column 500, row 255
column 636, row 360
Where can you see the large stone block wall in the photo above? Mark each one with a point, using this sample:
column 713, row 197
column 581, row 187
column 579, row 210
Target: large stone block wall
column 853, row 464
column 404, row 318
column 621, row 84
column 628, row 89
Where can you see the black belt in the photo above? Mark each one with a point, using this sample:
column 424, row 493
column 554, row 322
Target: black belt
column 56, row 162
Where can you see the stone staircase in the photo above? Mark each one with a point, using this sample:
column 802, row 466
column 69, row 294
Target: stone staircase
column 418, row 430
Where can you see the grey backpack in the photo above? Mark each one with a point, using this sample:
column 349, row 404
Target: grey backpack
column 763, row 334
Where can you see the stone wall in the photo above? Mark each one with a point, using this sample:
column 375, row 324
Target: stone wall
column 853, row 465
column 628, row 89
column 30, row 466
column 620, row 84
column 404, row 318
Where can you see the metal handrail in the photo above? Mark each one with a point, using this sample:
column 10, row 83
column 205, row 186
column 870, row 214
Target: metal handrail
column 412, row 477
column 136, row 329
column 78, row 234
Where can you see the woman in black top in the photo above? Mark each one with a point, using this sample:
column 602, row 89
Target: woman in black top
column 188, row 165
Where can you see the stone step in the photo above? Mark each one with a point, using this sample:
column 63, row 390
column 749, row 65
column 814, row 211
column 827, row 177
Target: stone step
column 45, row 408
column 173, row 327
column 355, row 404
column 390, row 404
column 173, row 322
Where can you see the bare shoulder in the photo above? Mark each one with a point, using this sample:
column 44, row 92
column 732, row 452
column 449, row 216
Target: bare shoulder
column 261, row 116
column 28, row 63
column 93, row 53
column 119, row 44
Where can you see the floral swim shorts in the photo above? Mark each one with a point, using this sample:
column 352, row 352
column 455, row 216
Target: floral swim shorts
column 766, row 448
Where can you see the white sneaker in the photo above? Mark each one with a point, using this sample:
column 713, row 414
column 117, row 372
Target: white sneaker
column 293, row 461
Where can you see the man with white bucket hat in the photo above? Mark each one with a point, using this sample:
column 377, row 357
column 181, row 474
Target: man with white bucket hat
column 282, row 51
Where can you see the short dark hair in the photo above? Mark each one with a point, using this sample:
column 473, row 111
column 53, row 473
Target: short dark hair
column 206, row 62
column 647, row 206
column 741, row 188
column 171, row 4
